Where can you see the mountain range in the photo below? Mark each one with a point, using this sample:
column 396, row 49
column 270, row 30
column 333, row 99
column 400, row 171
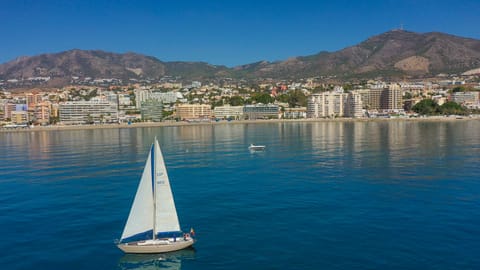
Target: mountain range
column 392, row 54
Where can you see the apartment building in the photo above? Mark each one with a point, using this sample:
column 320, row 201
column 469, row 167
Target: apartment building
column 193, row 111
column 295, row 113
column 261, row 111
column 165, row 97
column 19, row 117
column 227, row 111
column 465, row 97
column 373, row 99
column 335, row 104
column 42, row 113
column 152, row 110
column 392, row 98
column 9, row 108
column 141, row 95
column 383, row 99
column 83, row 112
column 354, row 105
column 32, row 99
column 326, row 104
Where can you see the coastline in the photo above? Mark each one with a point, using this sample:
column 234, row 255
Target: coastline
column 234, row 122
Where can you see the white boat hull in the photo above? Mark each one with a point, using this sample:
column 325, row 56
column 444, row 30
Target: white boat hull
column 256, row 147
column 159, row 247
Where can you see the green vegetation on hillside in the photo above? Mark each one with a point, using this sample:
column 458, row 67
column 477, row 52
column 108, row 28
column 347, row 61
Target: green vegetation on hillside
column 430, row 107
column 294, row 99
column 262, row 98
column 236, row 101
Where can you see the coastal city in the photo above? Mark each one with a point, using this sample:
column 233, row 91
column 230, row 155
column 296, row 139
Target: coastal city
column 88, row 101
column 212, row 135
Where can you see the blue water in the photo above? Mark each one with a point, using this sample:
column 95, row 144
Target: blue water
column 323, row 195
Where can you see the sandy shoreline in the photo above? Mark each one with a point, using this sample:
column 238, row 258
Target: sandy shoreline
column 173, row 124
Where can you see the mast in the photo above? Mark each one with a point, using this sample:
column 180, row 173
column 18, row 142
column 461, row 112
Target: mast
column 154, row 181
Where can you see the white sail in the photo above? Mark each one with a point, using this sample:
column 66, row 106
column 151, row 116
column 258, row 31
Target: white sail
column 166, row 219
column 140, row 218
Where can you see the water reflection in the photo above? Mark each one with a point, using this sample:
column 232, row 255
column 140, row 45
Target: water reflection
column 171, row 261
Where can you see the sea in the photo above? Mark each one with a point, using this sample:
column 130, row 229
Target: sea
column 322, row 195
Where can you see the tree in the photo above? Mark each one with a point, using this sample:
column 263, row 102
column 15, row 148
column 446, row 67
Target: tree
column 133, row 98
column 451, row 107
column 318, row 89
column 426, row 106
column 217, row 103
column 283, row 98
column 90, row 119
column 458, row 89
column 166, row 114
column 297, row 99
column 348, row 87
column 54, row 119
column 236, row 101
column 262, row 98
column 294, row 98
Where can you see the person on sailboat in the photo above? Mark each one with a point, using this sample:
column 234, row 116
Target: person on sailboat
column 192, row 233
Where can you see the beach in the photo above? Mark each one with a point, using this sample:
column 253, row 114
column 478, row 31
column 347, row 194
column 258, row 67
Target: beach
column 233, row 122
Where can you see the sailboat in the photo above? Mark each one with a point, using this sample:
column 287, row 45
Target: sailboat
column 152, row 225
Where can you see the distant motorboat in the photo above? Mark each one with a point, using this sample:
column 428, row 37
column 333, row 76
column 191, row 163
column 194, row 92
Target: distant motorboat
column 253, row 147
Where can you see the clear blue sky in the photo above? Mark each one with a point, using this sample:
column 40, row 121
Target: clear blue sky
column 219, row 32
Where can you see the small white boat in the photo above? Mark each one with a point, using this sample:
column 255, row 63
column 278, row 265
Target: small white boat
column 253, row 147
column 152, row 225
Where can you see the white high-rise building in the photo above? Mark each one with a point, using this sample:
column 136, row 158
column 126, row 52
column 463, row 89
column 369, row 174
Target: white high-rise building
column 86, row 112
column 141, row 95
column 334, row 104
column 353, row 106
column 164, row 97
column 326, row 104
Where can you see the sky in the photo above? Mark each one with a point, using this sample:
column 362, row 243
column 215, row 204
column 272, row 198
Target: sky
column 219, row 32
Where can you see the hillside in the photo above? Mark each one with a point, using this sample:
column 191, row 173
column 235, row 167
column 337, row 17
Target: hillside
column 100, row 64
column 391, row 54
column 95, row 64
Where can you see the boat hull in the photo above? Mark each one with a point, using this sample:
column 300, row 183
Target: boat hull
column 253, row 147
column 155, row 248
